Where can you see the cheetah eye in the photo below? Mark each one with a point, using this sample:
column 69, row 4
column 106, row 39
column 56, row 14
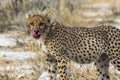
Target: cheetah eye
column 32, row 24
column 41, row 24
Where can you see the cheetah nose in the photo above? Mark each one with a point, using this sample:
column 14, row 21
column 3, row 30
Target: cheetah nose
column 36, row 31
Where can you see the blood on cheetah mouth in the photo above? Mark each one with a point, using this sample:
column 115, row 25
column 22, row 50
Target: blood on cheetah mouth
column 36, row 36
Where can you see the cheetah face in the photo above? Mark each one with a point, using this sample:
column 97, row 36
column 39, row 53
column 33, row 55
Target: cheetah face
column 37, row 25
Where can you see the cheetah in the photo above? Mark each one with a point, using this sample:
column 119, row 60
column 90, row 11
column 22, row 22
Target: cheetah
column 60, row 44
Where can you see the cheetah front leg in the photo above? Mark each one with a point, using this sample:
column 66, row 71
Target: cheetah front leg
column 62, row 67
column 52, row 66
column 102, row 65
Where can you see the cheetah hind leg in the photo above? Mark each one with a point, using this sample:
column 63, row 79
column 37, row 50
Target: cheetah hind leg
column 116, row 63
column 52, row 66
column 102, row 65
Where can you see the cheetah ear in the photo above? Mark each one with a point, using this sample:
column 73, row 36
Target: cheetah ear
column 28, row 16
column 49, row 20
column 48, row 17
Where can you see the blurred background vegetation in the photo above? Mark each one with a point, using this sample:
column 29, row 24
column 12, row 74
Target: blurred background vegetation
column 69, row 12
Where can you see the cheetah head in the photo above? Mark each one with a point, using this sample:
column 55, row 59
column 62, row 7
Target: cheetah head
column 38, row 24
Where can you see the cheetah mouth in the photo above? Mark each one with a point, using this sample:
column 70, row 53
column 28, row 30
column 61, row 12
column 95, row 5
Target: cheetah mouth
column 36, row 35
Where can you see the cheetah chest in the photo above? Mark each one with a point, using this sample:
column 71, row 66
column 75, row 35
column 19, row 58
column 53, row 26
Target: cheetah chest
column 43, row 46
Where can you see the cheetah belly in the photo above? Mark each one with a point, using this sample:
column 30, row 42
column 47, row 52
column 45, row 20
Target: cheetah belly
column 82, row 58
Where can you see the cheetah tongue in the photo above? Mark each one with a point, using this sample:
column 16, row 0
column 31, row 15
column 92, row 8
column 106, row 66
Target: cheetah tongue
column 33, row 33
column 36, row 36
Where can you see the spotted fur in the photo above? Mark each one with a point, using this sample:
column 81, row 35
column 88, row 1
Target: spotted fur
column 82, row 45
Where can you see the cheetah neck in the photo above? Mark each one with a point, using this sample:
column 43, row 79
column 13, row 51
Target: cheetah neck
column 43, row 39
